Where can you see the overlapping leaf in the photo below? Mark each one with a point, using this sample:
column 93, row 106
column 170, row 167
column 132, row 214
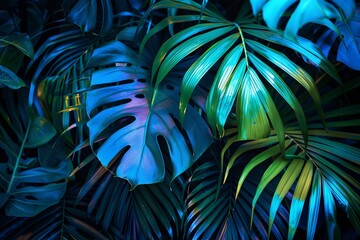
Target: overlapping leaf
column 146, row 211
column 30, row 184
column 225, row 217
column 327, row 160
column 61, row 221
column 221, row 40
column 85, row 14
column 126, row 94
column 306, row 11
column 348, row 50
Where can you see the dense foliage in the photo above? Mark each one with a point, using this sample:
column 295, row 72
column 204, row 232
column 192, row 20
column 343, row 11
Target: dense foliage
column 179, row 119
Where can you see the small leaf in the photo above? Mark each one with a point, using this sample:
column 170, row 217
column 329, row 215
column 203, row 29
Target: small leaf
column 251, row 115
column 200, row 67
column 258, row 159
column 299, row 197
column 287, row 180
column 41, row 132
column 330, row 212
column 21, row 41
column 10, row 79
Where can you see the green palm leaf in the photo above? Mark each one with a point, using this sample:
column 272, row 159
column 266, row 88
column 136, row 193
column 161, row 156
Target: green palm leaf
column 329, row 160
column 221, row 41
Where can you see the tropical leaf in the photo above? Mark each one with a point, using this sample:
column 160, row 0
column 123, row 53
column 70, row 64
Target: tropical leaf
column 223, row 39
column 61, row 221
column 348, row 49
column 85, row 14
column 306, row 11
column 10, row 79
column 146, row 211
column 123, row 112
column 21, row 41
column 225, row 217
column 327, row 157
column 30, row 182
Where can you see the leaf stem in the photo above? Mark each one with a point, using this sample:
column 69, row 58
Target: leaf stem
column 243, row 43
column 17, row 163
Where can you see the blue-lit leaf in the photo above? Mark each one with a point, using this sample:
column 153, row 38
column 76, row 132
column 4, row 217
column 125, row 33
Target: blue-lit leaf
column 314, row 206
column 130, row 124
column 330, row 212
column 348, row 51
column 84, row 13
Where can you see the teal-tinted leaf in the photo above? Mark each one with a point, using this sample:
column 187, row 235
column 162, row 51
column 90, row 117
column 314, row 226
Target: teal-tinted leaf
column 308, row 49
column 175, row 40
column 250, row 112
column 309, row 11
column 287, row 180
column 299, row 197
column 41, row 132
column 314, row 206
column 273, row 11
column 224, row 89
column 330, row 212
column 10, row 79
column 257, row 5
column 200, row 67
column 184, row 49
column 20, row 41
column 170, row 21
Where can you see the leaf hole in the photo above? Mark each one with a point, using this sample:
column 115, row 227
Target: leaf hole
column 140, row 95
column 145, row 67
column 169, row 87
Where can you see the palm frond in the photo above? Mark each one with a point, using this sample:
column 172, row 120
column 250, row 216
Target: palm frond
column 225, row 216
column 223, row 39
column 60, row 221
column 146, row 211
column 327, row 163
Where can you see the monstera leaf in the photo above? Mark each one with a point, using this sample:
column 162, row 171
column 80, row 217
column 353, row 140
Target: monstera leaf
column 128, row 121
column 306, row 11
